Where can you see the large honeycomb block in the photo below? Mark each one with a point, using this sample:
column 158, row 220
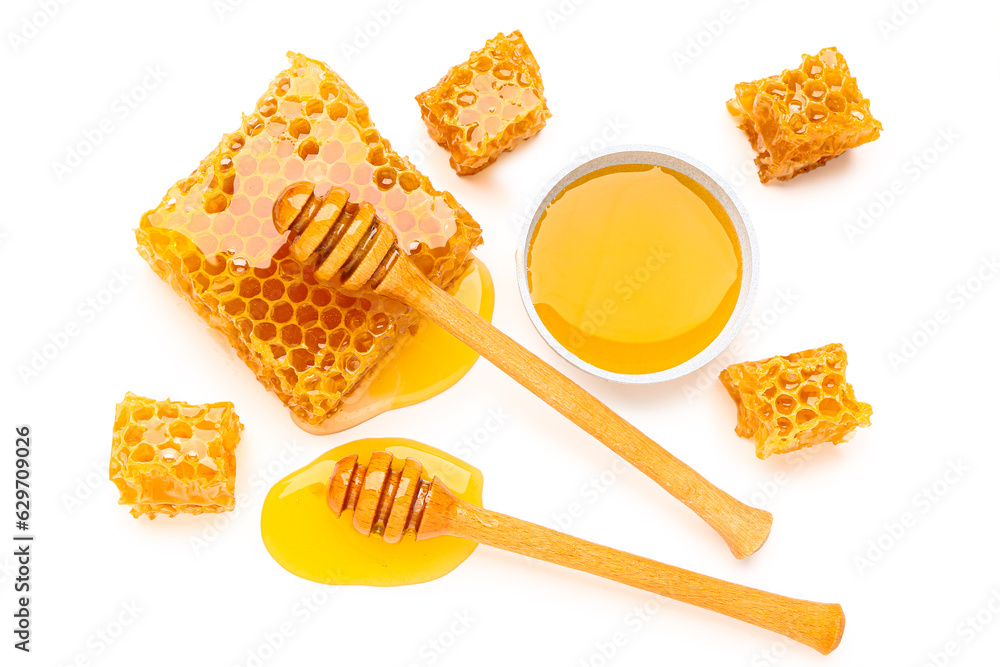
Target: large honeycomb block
column 212, row 238
column 487, row 105
column 799, row 120
column 800, row 400
column 169, row 457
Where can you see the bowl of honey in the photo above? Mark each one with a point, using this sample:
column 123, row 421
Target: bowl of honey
column 639, row 264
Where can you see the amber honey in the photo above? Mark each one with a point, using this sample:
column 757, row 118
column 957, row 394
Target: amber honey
column 303, row 534
column 798, row 400
column 213, row 238
column 634, row 269
column 799, row 120
column 486, row 105
column 421, row 367
column 169, row 457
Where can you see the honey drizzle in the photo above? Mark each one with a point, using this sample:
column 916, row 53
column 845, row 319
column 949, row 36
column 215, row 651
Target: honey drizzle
column 308, row 539
column 421, row 366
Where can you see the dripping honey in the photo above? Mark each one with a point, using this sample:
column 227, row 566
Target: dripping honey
column 213, row 238
column 303, row 534
column 634, row 268
column 421, row 367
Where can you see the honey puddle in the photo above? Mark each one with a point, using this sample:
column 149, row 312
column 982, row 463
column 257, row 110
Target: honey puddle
column 303, row 534
column 634, row 268
column 423, row 366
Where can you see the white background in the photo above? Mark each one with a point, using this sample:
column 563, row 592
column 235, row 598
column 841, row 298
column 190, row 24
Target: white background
column 612, row 74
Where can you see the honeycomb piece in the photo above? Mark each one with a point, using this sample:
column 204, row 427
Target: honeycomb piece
column 801, row 400
column 804, row 117
column 212, row 238
column 169, row 457
column 486, row 105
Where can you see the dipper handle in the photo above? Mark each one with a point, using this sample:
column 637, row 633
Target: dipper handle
column 390, row 502
column 817, row 625
column 744, row 528
column 347, row 242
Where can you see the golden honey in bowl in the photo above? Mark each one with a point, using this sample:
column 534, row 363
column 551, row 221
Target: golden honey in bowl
column 634, row 268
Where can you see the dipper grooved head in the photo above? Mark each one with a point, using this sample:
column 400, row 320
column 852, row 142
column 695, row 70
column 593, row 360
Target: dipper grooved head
column 386, row 502
column 343, row 239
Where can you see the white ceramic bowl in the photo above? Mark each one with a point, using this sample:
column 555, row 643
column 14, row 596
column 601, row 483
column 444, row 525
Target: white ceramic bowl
column 663, row 157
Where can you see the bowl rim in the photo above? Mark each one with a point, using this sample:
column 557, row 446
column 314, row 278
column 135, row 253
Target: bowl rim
column 700, row 173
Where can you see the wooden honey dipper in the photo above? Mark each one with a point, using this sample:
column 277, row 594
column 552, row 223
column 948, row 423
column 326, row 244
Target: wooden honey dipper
column 390, row 503
column 348, row 242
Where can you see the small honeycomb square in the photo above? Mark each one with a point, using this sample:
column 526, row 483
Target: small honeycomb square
column 795, row 401
column 800, row 119
column 169, row 457
column 486, row 105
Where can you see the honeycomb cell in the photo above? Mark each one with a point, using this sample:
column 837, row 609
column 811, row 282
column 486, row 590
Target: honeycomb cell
column 257, row 309
column 169, row 457
column 800, row 400
column 264, row 331
column 213, row 240
column 487, row 105
column 802, row 118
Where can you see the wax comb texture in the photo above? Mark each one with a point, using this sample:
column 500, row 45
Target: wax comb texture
column 486, row 105
column 800, row 119
column 799, row 400
column 213, row 240
column 169, row 457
